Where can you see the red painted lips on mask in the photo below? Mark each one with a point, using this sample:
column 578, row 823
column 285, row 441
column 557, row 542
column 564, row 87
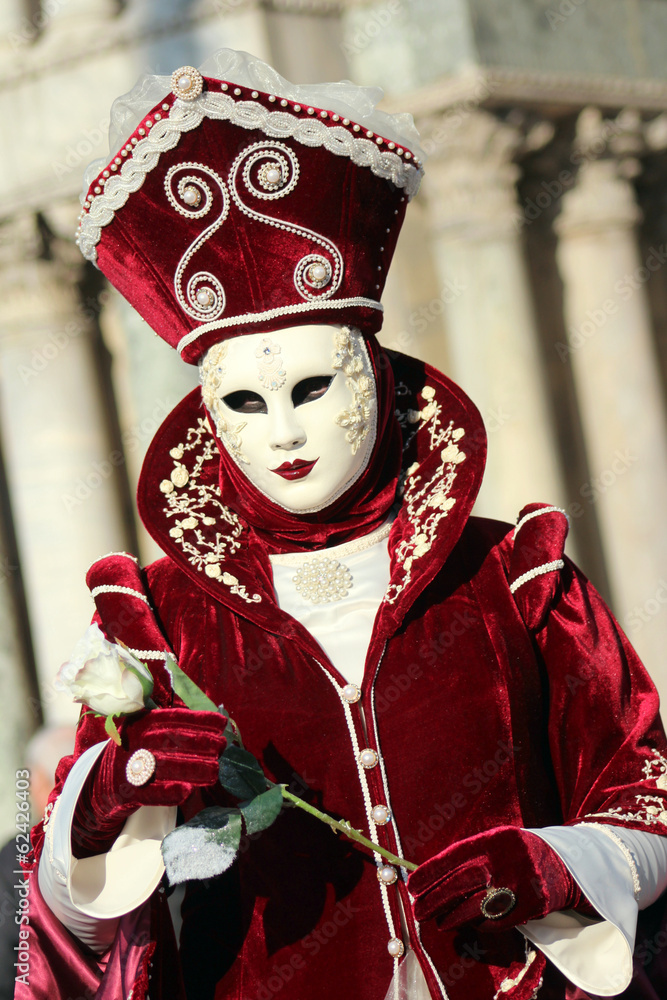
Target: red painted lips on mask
column 294, row 470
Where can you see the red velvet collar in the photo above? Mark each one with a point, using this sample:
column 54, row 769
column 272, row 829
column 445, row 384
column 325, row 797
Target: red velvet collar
column 444, row 450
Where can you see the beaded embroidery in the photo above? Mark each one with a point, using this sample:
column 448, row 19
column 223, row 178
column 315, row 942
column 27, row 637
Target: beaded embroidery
column 349, row 356
column 283, row 160
column 211, row 372
column 204, row 297
column 651, row 809
column 323, row 581
column 195, row 505
column 509, row 983
column 427, row 502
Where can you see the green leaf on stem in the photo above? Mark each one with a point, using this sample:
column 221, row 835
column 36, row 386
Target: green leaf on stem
column 260, row 812
column 190, row 694
column 240, row 773
column 111, row 730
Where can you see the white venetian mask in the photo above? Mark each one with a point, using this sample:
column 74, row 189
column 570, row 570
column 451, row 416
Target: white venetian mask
column 296, row 409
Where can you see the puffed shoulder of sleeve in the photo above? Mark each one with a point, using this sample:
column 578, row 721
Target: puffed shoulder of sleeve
column 536, row 561
column 127, row 613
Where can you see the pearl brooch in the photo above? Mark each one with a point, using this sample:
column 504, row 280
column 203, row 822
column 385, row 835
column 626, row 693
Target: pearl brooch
column 187, row 83
column 323, row 581
column 395, row 947
column 140, row 767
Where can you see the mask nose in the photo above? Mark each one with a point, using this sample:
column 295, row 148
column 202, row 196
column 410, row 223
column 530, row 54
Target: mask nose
column 286, row 431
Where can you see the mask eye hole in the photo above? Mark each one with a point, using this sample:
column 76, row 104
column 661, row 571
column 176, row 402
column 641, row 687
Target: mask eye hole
column 310, row 389
column 245, row 401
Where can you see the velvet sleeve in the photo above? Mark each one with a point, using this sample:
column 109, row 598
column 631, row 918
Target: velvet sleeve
column 607, row 742
column 60, row 966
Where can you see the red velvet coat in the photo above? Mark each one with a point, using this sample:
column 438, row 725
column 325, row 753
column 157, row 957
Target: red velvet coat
column 498, row 690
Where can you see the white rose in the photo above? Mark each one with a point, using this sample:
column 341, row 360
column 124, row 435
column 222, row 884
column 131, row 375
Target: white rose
column 99, row 675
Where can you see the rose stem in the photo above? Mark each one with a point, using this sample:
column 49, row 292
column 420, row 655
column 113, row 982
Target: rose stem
column 344, row 827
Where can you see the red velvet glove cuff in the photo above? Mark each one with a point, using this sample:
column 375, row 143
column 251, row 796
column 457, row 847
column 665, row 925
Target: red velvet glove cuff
column 496, row 879
column 167, row 752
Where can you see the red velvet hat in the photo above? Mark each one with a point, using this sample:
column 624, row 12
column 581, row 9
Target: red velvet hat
column 231, row 210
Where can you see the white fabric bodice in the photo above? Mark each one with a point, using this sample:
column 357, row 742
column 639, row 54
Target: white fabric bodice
column 342, row 627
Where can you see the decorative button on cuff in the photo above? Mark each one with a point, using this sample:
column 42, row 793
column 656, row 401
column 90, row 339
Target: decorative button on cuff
column 381, row 815
column 387, row 875
column 395, row 947
column 140, row 767
column 367, row 758
column 351, row 693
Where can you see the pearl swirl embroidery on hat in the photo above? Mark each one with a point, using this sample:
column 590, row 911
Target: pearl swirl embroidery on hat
column 277, row 176
column 100, row 210
column 204, row 297
column 270, row 369
column 314, row 271
column 276, row 156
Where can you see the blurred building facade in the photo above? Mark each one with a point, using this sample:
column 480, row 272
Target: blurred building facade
column 531, row 269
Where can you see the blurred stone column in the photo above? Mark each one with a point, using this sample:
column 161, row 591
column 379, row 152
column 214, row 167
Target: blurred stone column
column 17, row 682
column 149, row 379
column 615, row 367
column 61, row 466
column 492, row 339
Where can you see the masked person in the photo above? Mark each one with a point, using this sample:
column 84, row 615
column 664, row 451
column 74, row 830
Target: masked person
column 451, row 685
